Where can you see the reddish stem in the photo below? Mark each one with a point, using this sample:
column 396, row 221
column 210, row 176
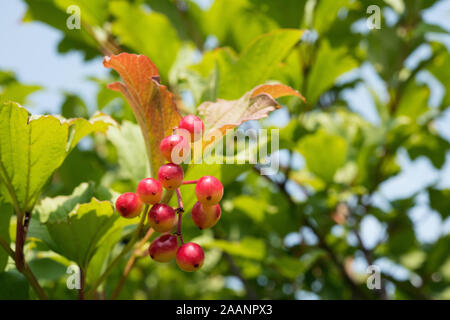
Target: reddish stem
column 190, row 181
column 180, row 211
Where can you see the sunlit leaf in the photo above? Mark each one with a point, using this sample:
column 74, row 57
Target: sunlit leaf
column 324, row 153
column 77, row 236
column 152, row 103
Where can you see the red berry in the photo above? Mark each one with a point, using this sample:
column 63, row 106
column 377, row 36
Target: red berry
column 163, row 248
column 149, row 191
column 162, row 217
column 205, row 216
column 129, row 205
column 170, row 175
column 209, row 190
column 175, row 148
column 194, row 125
column 190, row 257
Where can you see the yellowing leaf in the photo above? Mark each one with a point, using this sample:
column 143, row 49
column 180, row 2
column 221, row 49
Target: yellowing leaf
column 152, row 103
column 256, row 104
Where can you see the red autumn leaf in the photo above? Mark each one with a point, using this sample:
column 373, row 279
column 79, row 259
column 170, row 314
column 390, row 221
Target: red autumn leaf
column 152, row 103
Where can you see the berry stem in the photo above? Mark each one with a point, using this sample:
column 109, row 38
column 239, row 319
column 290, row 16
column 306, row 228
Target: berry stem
column 190, row 181
column 180, row 211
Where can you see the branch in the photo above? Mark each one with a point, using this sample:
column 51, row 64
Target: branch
column 26, row 271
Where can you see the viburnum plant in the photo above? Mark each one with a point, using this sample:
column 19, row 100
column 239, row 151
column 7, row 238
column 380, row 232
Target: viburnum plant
column 162, row 217
column 82, row 227
column 171, row 138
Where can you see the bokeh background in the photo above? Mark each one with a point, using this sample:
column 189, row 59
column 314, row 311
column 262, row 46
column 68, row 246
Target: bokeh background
column 365, row 162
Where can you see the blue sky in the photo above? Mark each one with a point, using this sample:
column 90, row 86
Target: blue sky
column 30, row 50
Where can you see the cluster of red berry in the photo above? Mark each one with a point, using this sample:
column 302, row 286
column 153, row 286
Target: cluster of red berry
column 162, row 217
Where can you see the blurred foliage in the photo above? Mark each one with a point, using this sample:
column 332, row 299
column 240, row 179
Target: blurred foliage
column 296, row 234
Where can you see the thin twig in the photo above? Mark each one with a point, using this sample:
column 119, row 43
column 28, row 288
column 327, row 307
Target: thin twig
column 180, row 211
column 26, row 271
column 82, row 284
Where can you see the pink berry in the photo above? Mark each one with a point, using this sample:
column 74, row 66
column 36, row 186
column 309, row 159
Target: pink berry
column 171, row 176
column 205, row 216
column 129, row 205
column 149, row 191
column 175, row 148
column 194, row 125
column 209, row 190
column 190, row 257
column 163, row 248
column 162, row 217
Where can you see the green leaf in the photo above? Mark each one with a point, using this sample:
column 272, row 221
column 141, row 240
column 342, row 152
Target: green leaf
column 414, row 101
column 13, row 286
column 77, row 236
column 440, row 201
column 79, row 127
column 30, row 151
column 53, row 13
column 293, row 267
column 324, row 153
column 132, row 25
column 47, row 269
column 248, row 247
column 440, row 68
column 330, row 63
column 424, row 142
column 253, row 207
column 58, row 208
column 256, row 63
column 17, row 92
column 326, row 13
column 6, row 212
column 133, row 163
column 437, row 255
column 236, row 16
column 32, row 148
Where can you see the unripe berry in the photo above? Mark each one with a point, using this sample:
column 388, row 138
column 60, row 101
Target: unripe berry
column 162, row 217
column 190, row 257
column 129, row 205
column 163, row 248
column 171, row 176
column 205, row 216
column 175, row 148
column 149, row 190
column 209, row 190
column 194, row 125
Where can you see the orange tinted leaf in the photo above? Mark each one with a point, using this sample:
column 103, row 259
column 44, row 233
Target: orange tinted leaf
column 276, row 91
column 256, row 104
column 152, row 103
